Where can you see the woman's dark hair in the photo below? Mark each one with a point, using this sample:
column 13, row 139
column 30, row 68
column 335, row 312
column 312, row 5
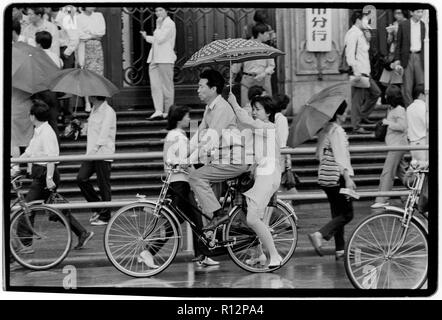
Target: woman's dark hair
column 404, row 13
column 176, row 114
column 254, row 91
column 99, row 98
column 44, row 39
column 393, row 96
column 267, row 103
column 40, row 110
column 340, row 111
column 259, row 28
column 281, row 101
column 418, row 90
column 214, row 79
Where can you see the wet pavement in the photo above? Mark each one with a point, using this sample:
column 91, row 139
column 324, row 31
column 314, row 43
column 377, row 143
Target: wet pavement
column 305, row 270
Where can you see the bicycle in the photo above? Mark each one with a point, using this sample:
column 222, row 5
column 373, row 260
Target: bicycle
column 148, row 224
column 389, row 250
column 40, row 236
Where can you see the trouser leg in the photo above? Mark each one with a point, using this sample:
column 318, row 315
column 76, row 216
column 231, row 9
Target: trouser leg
column 372, row 95
column 389, row 172
column 156, row 87
column 103, row 170
column 357, row 96
column 166, row 73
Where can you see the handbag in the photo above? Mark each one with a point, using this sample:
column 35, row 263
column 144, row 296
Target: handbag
column 343, row 66
column 380, row 129
column 55, row 198
column 329, row 171
column 288, row 179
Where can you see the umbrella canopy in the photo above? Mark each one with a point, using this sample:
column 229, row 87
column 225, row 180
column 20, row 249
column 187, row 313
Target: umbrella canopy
column 317, row 111
column 31, row 68
column 233, row 51
column 82, row 82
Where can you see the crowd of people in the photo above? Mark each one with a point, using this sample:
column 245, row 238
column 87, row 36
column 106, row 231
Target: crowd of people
column 71, row 37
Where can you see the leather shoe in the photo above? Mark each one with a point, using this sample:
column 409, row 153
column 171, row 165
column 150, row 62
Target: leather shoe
column 360, row 130
column 315, row 239
column 216, row 221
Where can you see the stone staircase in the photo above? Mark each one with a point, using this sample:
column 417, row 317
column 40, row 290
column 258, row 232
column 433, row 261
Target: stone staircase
column 136, row 134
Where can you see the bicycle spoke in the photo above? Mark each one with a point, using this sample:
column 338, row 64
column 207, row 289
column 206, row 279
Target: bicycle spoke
column 374, row 237
column 370, row 244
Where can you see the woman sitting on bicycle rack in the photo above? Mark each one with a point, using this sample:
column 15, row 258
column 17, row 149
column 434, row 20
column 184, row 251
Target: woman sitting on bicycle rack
column 267, row 173
column 175, row 152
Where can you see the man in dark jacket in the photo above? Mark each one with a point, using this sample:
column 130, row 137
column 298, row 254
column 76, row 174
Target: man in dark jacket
column 409, row 53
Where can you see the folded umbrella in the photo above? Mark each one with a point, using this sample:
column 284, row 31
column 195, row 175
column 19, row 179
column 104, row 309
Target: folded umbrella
column 82, row 82
column 317, row 111
column 30, row 68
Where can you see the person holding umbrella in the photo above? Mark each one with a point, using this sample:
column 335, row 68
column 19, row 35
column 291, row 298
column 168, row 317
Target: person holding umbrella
column 335, row 172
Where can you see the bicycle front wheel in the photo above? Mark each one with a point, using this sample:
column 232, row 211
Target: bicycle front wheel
column 376, row 259
column 41, row 239
column 135, row 231
column 245, row 242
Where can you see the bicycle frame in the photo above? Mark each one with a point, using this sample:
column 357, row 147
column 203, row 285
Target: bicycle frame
column 408, row 211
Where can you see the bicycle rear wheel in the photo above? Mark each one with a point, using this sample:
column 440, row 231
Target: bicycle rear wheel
column 45, row 243
column 134, row 229
column 245, row 241
column 372, row 261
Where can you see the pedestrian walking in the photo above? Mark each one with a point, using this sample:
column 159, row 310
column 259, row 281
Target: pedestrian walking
column 363, row 99
column 409, row 53
column 45, row 175
column 267, row 173
column 101, row 132
column 395, row 164
column 92, row 28
column 161, row 61
column 255, row 72
column 417, row 121
column 335, row 172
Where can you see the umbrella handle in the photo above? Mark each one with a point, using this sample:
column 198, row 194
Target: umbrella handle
column 75, row 109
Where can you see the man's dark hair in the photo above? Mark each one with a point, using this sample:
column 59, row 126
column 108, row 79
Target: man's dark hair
column 418, row 90
column 405, row 12
column 357, row 14
column 16, row 26
column 254, row 91
column 214, row 79
column 44, row 39
column 259, row 28
column 393, row 96
column 37, row 11
column 100, row 98
column 340, row 111
column 260, row 16
column 267, row 103
column 281, row 101
column 414, row 8
column 176, row 114
column 40, row 110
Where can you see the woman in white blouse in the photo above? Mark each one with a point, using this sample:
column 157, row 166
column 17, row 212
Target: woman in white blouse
column 267, row 172
column 92, row 28
column 335, row 172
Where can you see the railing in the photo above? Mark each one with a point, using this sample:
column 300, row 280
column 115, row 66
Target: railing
column 159, row 155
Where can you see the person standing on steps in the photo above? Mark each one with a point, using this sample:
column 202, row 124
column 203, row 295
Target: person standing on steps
column 161, row 61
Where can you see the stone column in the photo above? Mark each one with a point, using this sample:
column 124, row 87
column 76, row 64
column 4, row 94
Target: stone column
column 300, row 72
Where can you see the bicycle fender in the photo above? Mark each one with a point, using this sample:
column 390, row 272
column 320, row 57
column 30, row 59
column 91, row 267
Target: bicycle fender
column 171, row 214
column 289, row 208
column 402, row 211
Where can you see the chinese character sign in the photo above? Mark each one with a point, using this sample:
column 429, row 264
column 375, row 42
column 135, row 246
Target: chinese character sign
column 319, row 29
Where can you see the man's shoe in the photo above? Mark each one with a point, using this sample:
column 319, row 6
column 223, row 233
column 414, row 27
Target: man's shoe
column 379, row 205
column 360, row 130
column 155, row 116
column 99, row 222
column 208, row 262
column 198, row 258
column 83, row 239
column 147, row 258
column 366, row 121
column 316, row 239
column 216, row 221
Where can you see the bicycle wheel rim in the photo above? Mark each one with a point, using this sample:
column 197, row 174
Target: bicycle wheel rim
column 284, row 232
column 371, row 261
column 124, row 239
column 47, row 246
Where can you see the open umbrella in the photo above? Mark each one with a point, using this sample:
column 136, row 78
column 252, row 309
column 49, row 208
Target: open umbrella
column 30, row 68
column 82, row 82
column 232, row 51
column 317, row 111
